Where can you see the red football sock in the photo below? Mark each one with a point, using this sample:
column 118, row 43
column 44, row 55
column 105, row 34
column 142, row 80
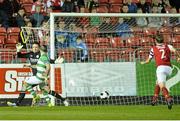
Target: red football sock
column 156, row 90
column 165, row 92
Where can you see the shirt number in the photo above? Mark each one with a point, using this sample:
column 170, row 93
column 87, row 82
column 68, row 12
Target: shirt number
column 162, row 54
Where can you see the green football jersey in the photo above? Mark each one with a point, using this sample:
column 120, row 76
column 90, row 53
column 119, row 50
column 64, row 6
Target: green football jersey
column 41, row 66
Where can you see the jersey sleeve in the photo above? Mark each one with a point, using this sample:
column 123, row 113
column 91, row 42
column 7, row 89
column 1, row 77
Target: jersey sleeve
column 23, row 55
column 151, row 53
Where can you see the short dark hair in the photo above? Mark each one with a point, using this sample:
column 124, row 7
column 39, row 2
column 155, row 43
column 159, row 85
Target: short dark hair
column 159, row 39
column 37, row 43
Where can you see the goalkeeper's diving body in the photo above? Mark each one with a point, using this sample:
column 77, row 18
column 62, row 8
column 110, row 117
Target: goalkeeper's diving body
column 33, row 57
column 161, row 52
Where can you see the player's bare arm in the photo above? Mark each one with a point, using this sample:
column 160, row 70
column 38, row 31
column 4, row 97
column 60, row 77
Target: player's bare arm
column 146, row 61
column 172, row 49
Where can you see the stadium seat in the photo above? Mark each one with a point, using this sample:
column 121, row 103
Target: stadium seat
column 97, row 55
column 27, row 7
column 150, row 31
column 149, row 1
column 147, row 41
column 103, row 1
column 114, row 55
column 142, row 54
column 115, row 1
column 115, row 8
column 127, row 54
column 102, row 9
column 12, row 37
column 3, row 36
column 116, row 42
column 67, row 54
column 25, row 1
column 137, row 31
column 135, row 1
column 102, row 43
column 134, row 42
column 1, row 43
column 6, row 56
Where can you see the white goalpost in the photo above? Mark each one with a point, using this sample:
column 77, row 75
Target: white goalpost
column 116, row 43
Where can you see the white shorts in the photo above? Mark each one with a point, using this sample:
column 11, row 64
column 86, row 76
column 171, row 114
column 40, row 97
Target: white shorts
column 32, row 80
column 162, row 72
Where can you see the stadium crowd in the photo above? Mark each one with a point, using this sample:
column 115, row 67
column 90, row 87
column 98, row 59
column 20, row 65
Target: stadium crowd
column 15, row 14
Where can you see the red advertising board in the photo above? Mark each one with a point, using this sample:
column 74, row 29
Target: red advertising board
column 13, row 75
column 12, row 79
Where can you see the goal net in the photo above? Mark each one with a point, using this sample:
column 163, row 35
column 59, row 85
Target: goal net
column 110, row 59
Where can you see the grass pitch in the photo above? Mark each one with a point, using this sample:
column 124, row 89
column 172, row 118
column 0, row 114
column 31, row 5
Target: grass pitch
column 140, row 112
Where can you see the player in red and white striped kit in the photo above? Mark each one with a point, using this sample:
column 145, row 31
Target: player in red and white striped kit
column 162, row 54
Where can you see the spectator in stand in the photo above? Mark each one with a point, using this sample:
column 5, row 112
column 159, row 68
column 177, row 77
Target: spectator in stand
column 106, row 26
column 95, row 20
column 83, row 21
column 128, row 20
column 81, row 54
column 55, row 4
column 173, row 20
column 43, row 34
column 160, row 6
column 37, row 17
column 155, row 2
column 61, row 37
column 73, row 35
column 47, row 15
column 3, row 13
column 68, row 6
column 92, row 4
column 21, row 18
column 155, row 21
column 145, row 6
column 132, row 7
column 167, row 7
column 28, row 32
column 123, row 30
column 141, row 21
column 79, row 3
column 39, row 3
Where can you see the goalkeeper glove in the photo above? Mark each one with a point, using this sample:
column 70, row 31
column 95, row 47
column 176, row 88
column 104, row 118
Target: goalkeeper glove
column 178, row 59
column 59, row 60
column 18, row 47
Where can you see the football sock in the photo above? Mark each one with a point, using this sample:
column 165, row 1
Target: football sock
column 165, row 93
column 156, row 90
column 46, row 96
column 30, row 89
column 55, row 94
column 20, row 98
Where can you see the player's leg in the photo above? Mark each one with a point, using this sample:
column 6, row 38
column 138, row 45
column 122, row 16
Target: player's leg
column 162, row 74
column 156, row 94
column 29, row 87
column 19, row 99
column 44, row 89
column 58, row 96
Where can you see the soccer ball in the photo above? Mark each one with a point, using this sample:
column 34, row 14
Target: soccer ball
column 104, row 95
